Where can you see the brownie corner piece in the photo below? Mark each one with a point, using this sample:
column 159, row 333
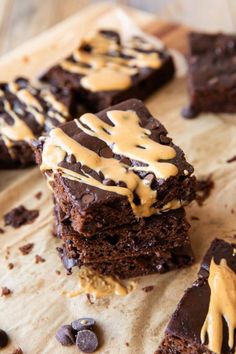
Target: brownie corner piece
column 105, row 69
column 97, row 198
column 211, row 77
column 199, row 315
column 26, row 112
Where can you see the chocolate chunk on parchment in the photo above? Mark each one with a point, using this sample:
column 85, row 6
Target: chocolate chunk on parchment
column 87, row 341
column 26, row 249
column 20, row 216
column 66, row 335
column 5, row 291
column 4, row 339
column 39, row 259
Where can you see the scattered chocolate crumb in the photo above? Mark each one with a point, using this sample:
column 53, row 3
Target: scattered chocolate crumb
column 10, row 266
column 38, row 195
column 204, row 187
column 26, row 249
column 232, row 159
column 4, row 339
column 18, row 351
column 194, row 217
column 58, row 272
column 90, row 299
column 39, row 259
column 147, row 289
column 127, row 344
column 232, row 211
column 20, row 216
column 5, row 291
column 2, row 231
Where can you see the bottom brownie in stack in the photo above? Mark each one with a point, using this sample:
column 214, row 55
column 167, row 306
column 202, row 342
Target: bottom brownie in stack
column 153, row 245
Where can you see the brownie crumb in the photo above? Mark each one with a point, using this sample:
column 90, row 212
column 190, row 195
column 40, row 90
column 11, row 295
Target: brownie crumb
column 127, row 344
column 10, row 266
column 204, row 188
column 39, row 259
column 4, row 339
column 58, row 272
column 2, row 231
column 26, row 249
column 38, row 195
column 18, row 351
column 232, row 159
column 20, row 216
column 194, row 217
column 5, row 291
column 147, row 289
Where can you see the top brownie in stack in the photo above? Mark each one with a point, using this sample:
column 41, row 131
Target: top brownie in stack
column 115, row 167
column 212, row 73
column 106, row 69
column 25, row 114
column 207, row 309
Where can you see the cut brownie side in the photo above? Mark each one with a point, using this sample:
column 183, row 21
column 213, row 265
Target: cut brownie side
column 154, row 234
column 105, row 70
column 212, row 73
column 199, row 308
column 159, row 262
column 26, row 113
column 114, row 180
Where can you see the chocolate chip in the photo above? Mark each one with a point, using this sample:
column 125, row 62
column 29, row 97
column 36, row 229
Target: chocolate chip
column 71, row 158
column 108, row 182
column 66, row 335
column 83, row 323
column 122, row 184
column 189, row 112
column 125, row 161
column 10, row 266
column 86, row 169
column 213, row 81
column 106, row 152
column 87, row 341
column 3, row 339
column 87, row 198
column 39, row 259
column 164, row 139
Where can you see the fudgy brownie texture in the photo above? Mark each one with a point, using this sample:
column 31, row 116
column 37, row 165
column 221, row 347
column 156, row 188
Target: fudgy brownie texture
column 212, row 73
column 183, row 331
column 93, row 208
column 26, row 113
column 135, row 68
column 128, row 267
column 154, row 234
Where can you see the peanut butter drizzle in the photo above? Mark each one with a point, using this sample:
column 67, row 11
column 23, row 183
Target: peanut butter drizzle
column 136, row 146
column 104, row 72
column 99, row 286
column 222, row 282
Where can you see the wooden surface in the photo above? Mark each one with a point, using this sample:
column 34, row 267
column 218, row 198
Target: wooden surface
column 37, row 307
column 21, row 20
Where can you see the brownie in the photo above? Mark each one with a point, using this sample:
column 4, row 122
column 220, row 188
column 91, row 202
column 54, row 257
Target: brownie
column 105, row 69
column 126, row 181
column 212, row 73
column 154, row 234
column 183, row 333
column 128, row 267
column 27, row 112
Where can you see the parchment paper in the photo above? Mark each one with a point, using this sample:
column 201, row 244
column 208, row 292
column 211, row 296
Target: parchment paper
column 133, row 324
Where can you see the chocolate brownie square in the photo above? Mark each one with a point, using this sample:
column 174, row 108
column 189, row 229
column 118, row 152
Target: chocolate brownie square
column 105, row 69
column 155, row 234
column 114, row 168
column 205, row 319
column 212, row 73
column 27, row 112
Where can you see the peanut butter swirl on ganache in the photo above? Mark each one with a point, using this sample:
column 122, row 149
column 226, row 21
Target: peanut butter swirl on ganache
column 125, row 137
column 20, row 99
column 107, row 64
column 222, row 282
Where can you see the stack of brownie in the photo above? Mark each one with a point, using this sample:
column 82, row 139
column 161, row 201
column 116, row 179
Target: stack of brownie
column 119, row 186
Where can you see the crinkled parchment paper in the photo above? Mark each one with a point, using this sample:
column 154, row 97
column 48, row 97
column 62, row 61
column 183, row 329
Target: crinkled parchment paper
column 131, row 324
